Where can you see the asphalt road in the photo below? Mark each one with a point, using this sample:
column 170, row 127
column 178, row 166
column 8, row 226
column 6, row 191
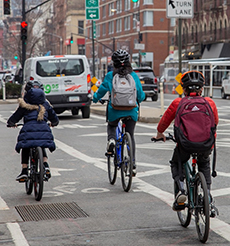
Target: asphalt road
column 109, row 216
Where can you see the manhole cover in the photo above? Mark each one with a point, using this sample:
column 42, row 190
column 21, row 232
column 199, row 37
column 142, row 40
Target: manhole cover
column 52, row 211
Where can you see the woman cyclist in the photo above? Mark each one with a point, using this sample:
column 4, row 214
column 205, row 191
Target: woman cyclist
column 122, row 66
column 35, row 111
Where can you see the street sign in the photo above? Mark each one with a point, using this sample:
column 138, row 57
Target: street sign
column 179, row 89
column 94, row 29
column 91, row 3
column 180, row 8
column 178, row 77
column 92, row 14
column 139, row 46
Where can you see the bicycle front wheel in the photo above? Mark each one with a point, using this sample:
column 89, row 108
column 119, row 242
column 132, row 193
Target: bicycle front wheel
column 112, row 168
column 39, row 174
column 127, row 162
column 201, row 202
column 184, row 215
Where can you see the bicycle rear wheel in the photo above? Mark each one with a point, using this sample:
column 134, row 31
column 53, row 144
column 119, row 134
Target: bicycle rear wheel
column 39, row 174
column 112, row 168
column 184, row 215
column 127, row 162
column 201, row 202
column 29, row 182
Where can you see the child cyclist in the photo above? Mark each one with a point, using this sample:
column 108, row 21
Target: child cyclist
column 35, row 111
column 192, row 83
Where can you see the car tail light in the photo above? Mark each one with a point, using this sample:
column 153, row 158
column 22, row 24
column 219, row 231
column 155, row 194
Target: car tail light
column 155, row 80
column 89, row 83
column 31, row 78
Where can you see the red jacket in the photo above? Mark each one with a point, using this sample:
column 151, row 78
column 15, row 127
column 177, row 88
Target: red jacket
column 170, row 113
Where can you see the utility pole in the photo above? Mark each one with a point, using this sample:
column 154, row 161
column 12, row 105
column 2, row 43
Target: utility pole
column 93, row 57
column 23, row 41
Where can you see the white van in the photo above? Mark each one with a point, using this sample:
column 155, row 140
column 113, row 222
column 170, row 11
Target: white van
column 66, row 80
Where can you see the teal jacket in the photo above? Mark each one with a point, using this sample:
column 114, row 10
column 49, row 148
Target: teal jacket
column 114, row 114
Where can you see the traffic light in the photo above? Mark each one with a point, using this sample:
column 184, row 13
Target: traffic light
column 135, row 1
column 71, row 39
column 140, row 37
column 6, row 4
column 24, row 30
column 15, row 57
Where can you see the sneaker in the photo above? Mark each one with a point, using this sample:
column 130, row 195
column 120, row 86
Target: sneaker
column 47, row 170
column 213, row 209
column 134, row 170
column 23, row 176
column 179, row 203
column 110, row 146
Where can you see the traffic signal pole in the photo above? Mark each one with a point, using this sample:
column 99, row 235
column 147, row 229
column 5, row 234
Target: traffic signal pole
column 23, row 41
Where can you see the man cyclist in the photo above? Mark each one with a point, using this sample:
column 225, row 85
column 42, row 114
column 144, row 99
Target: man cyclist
column 35, row 111
column 192, row 83
column 122, row 66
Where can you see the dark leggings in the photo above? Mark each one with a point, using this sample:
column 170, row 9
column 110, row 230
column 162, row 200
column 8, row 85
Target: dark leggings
column 203, row 163
column 26, row 153
column 130, row 127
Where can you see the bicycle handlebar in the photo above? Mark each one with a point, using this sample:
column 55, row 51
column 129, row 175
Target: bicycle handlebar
column 169, row 137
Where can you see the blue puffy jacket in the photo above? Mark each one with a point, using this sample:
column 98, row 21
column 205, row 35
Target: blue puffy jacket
column 35, row 111
column 107, row 85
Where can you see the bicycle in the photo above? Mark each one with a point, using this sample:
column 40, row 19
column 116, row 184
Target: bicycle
column 198, row 200
column 122, row 158
column 36, row 172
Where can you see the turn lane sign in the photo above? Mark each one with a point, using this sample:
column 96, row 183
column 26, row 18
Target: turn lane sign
column 180, row 8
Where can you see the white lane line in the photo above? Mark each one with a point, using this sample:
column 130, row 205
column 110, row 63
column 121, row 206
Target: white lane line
column 17, row 235
column 218, row 226
column 3, row 205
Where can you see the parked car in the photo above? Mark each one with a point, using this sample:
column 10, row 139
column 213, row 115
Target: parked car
column 149, row 82
column 8, row 77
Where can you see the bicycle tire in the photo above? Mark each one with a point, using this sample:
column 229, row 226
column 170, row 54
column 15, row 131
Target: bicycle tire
column 127, row 162
column 201, row 203
column 112, row 168
column 185, row 215
column 39, row 174
column 29, row 182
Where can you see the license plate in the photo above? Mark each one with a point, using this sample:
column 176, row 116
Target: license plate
column 142, row 81
column 74, row 99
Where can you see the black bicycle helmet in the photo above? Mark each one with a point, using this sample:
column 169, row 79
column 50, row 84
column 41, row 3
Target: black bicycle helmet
column 120, row 58
column 191, row 78
column 33, row 84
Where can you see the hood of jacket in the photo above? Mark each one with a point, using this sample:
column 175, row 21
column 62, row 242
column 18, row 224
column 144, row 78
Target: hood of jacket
column 35, row 96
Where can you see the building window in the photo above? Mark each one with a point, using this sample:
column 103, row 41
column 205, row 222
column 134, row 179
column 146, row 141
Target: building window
column 148, row 18
column 220, row 31
column 80, row 27
column 111, row 9
column 148, row 1
column 111, row 27
column 135, row 19
column 98, row 30
column 104, row 12
column 81, row 49
column 119, row 25
column 104, row 29
column 127, row 23
column 127, row 4
column 119, row 6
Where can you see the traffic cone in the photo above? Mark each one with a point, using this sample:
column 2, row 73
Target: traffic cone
column 173, row 89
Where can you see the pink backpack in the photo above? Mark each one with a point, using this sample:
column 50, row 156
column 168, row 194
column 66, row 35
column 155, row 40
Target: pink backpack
column 194, row 125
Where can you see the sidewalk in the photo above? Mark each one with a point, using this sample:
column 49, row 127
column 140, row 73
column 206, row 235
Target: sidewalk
column 148, row 115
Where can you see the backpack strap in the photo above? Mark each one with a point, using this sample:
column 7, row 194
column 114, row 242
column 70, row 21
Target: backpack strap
column 214, row 173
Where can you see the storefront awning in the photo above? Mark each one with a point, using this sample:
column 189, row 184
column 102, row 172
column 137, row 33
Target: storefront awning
column 216, row 51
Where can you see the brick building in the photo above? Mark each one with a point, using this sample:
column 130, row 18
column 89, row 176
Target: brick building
column 124, row 24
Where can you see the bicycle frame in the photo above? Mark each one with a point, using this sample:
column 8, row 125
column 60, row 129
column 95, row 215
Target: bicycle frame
column 119, row 138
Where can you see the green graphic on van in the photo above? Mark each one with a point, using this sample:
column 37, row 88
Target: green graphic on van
column 51, row 88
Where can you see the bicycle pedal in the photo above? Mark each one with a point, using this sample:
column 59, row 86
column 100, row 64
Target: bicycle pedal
column 22, row 180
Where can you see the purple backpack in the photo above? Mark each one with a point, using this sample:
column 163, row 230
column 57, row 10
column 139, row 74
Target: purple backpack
column 194, row 125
